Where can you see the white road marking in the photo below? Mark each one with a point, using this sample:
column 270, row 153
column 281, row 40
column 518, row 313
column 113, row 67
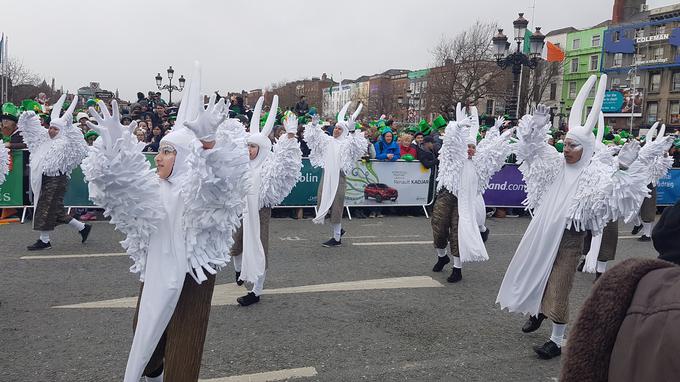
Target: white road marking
column 226, row 294
column 394, row 243
column 378, row 236
column 278, row 375
column 59, row 257
column 629, row 237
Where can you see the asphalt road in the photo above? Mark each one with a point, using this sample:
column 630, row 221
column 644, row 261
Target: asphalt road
column 441, row 331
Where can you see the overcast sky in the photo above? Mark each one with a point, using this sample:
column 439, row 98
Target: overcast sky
column 249, row 44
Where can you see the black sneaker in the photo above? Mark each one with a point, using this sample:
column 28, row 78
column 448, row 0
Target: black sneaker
column 85, row 232
column 441, row 261
column 332, row 243
column 39, row 245
column 238, row 282
column 548, row 350
column 485, row 235
column 644, row 238
column 248, row 299
column 456, row 275
column 636, row 229
column 533, row 323
column 342, row 232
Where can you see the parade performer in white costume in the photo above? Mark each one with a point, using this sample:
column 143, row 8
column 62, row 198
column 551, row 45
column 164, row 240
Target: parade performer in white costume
column 569, row 194
column 465, row 169
column 272, row 177
column 337, row 155
column 55, row 152
column 201, row 181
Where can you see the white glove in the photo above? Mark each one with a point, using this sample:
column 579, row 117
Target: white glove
column 290, row 123
column 540, row 117
column 315, row 120
column 466, row 122
column 507, row 133
column 474, row 117
column 628, row 154
column 108, row 125
column 208, row 120
column 460, row 113
column 352, row 122
column 499, row 123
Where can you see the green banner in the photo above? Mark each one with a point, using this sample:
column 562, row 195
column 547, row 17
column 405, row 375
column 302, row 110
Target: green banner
column 11, row 192
column 76, row 192
column 304, row 192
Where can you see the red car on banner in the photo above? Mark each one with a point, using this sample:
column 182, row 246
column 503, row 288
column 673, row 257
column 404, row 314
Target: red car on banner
column 380, row 192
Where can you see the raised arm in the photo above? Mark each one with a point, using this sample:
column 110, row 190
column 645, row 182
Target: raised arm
column 32, row 131
column 453, row 154
column 121, row 181
column 317, row 141
column 282, row 169
column 491, row 154
column 540, row 161
column 213, row 193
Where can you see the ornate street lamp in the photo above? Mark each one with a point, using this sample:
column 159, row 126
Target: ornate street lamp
column 170, row 87
column 517, row 59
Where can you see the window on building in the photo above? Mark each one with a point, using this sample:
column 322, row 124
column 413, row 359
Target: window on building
column 576, row 44
column 553, row 91
column 660, row 29
column 593, row 62
column 572, row 90
column 675, row 84
column 652, row 112
column 616, row 82
column 655, row 82
column 658, row 52
column 489, row 107
column 640, row 32
column 636, row 81
column 617, row 36
column 591, row 94
column 674, row 111
column 618, row 59
column 596, row 41
column 574, row 65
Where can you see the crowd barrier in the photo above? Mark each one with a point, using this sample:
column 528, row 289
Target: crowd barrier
column 370, row 184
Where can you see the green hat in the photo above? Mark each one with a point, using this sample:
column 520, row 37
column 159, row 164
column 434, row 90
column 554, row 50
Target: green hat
column 676, row 143
column 91, row 102
column 438, row 122
column 32, row 105
column 10, row 111
column 559, row 145
column 617, row 139
column 408, row 157
column 424, row 127
column 91, row 134
column 624, row 134
column 312, row 111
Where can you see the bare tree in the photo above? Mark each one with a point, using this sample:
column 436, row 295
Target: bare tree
column 19, row 74
column 464, row 70
column 537, row 82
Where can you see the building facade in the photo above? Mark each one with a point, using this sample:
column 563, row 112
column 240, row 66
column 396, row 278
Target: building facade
column 583, row 53
column 642, row 61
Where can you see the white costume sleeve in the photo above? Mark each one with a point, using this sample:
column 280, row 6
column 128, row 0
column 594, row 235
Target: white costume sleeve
column 213, row 196
column 606, row 193
column 32, row 131
column 352, row 149
column 490, row 158
column 655, row 154
column 280, row 172
column 122, row 182
column 317, row 140
column 452, row 156
column 4, row 163
column 540, row 162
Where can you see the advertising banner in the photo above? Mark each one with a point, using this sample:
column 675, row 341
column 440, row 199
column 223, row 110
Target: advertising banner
column 506, row 188
column 668, row 188
column 12, row 191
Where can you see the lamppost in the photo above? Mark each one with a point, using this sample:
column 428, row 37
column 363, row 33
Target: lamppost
column 517, row 59
column 170, row 87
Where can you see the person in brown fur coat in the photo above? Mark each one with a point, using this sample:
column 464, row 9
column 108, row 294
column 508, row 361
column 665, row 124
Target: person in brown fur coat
column 628, row 329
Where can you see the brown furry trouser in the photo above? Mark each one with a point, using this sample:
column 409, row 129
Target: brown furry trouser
column 555, row 303
column 444, row 221
column 180, row 349
column 49, row 209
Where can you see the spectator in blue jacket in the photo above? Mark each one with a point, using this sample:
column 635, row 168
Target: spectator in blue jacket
column 387, row 148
